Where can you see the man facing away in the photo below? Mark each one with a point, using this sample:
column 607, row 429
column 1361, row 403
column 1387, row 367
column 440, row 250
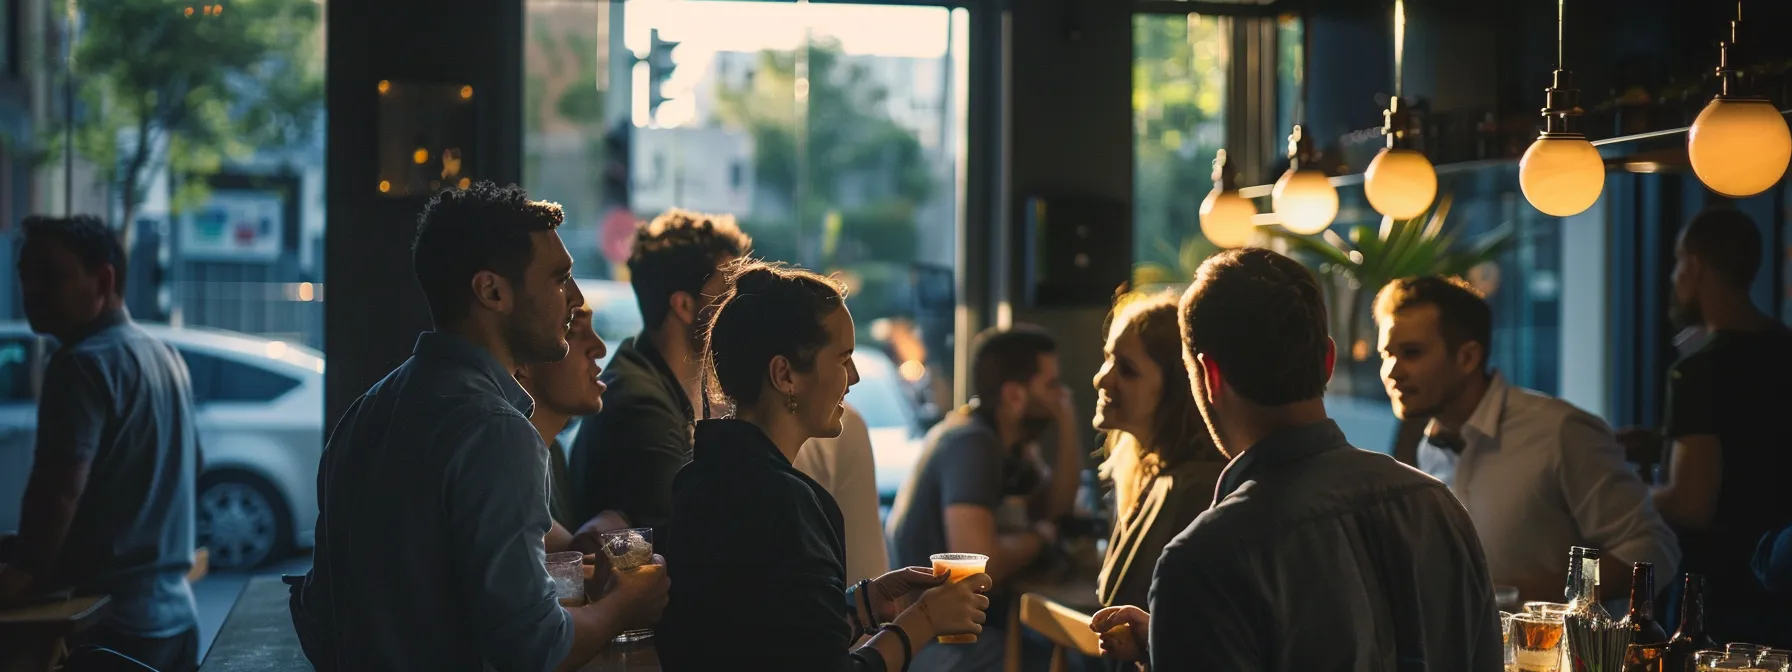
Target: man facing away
column 1728, row 404
column 985, row 460
column 432, row 492
column 109, row 505
column 1536, row 474
column 1315, row 555
column 623, row 460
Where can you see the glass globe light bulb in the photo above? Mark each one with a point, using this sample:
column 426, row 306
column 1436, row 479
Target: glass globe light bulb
column 1305, row 201
column 1226, row 219
column 1400, row 183
column 1739, row 146
column 1561, row 175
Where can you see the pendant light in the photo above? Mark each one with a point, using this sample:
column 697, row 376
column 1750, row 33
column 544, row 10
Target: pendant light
column 1739, row 145
column 1561, row 174
column 1225, row 215
column 1400, row 182
column 1303, row 198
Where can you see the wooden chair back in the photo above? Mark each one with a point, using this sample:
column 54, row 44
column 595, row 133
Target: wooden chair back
column 1068, row 629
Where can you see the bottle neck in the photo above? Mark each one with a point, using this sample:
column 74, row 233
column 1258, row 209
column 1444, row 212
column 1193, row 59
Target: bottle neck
column 1642, row 594
column 1692, row 609
column 1584, row 580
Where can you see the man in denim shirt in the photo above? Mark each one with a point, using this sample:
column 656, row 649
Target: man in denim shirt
column 433, row 489
column 109, row 507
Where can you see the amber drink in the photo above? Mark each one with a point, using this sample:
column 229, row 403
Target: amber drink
column 958, row 567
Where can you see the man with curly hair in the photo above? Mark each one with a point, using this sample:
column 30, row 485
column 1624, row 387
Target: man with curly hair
column 623, row 460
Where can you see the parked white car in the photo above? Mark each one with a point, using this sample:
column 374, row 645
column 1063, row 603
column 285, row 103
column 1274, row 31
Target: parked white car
column 261, row 427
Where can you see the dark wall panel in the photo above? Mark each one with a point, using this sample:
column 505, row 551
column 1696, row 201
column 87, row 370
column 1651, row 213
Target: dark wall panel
column 373, row 309
column 1070, row 135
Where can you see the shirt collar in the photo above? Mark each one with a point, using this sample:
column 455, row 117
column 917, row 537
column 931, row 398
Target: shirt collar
column 644, row 345
column 1486, row 418
column 1285, row 446
column 454, row 348
column 108, row 318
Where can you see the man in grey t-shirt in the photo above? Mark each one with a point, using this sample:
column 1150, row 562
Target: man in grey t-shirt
column 109, row 507
column 981, row 458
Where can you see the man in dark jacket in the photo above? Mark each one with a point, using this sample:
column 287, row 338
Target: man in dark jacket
column 1315, row 555
column 623, row 460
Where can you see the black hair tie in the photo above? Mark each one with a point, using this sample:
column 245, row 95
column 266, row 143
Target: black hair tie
column 907, row 648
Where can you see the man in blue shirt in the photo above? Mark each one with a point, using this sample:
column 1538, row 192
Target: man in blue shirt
column 433, row 489
column 109, row 506
column 1315, row 555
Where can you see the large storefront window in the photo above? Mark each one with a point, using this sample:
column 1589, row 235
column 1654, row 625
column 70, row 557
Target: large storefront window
column 196, row 131
column 1180, row 65
column 834, row 133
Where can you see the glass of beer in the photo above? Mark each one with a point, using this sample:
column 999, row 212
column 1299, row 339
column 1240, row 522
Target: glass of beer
column 567, row 570
column 958, row 567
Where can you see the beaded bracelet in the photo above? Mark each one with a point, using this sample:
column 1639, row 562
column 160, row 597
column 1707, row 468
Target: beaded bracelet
column 869, row 626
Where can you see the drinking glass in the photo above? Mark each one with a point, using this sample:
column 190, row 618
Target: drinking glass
column 1506, row 638
column 1744, row 650
column 958, row 567
column 1716, row 661
column 1774, row 660
column 568, row 573
column 1537, row 642
column 1544, row 608
column 628, row 549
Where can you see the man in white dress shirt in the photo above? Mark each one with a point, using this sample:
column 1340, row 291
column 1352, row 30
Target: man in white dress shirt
column 1536, row 474
column 845, row 467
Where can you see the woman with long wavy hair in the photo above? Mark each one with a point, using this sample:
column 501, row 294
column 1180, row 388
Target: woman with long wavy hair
column 1160, row 457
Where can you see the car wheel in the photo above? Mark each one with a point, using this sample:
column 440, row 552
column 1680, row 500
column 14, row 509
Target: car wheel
column 241, row 520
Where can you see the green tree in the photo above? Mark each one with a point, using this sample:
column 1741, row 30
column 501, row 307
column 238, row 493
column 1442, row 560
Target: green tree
column 1179, row 94
column 178, row 86
column 863, row 170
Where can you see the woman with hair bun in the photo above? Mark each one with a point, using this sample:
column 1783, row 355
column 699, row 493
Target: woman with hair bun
column 758, row 547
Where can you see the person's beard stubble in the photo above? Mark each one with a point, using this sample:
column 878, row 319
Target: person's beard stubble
column 534, row 339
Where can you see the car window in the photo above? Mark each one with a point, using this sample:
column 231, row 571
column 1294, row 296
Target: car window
column 220, row 379
column 15, row 369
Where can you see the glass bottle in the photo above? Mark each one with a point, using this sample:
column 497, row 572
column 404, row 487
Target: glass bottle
column 1691, row 638
column 1583, row 603
column 1641, row 620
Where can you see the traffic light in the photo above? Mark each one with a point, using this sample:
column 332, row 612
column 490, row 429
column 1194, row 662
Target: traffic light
column 659, row 69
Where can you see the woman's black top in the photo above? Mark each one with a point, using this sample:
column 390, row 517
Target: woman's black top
column 757, row 558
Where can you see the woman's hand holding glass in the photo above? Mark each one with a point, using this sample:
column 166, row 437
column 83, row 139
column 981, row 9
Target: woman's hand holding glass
column 955, row 608
column 892, row 592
